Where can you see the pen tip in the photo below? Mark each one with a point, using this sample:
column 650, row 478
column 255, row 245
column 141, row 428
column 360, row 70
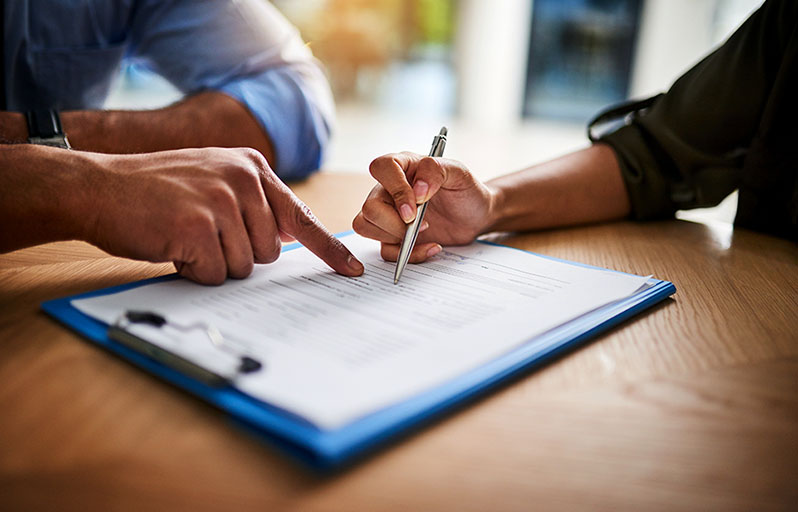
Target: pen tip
column 444, row 132
column 396, row 281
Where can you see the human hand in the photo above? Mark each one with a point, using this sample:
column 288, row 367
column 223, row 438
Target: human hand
column 213, row 212
column 460, row 206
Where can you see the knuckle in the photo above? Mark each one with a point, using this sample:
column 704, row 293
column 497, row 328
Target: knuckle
column 269, row 249
column 174, row 249
column 378, row 163
column 401, row 196
column 206, row 272
column 195, row 224
column 303, row 218
column 377, row 191
column 432, row 167
column 387, row 162
column 418, row 256
column 242, row 270
column 408, row 156
column 216, row 277
column 358, row 224
column 370, row 209
column 252, row 155
column 245, row 178
column 272, row 253
column 387, row 252
column 253, row 161
column 222, row 198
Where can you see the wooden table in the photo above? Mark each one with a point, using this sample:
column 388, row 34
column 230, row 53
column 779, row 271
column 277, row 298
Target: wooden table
column 690, row 406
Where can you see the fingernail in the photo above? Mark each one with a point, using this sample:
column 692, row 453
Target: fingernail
column 354, row 264
column 424, row 225
column 406, row 212
column 434, row 250
column 421, row 188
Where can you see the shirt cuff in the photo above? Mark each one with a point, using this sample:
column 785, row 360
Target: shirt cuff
column 298, row 129
column 649, row 191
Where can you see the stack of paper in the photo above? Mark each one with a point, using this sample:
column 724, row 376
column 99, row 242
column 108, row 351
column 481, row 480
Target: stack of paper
column 336, row 348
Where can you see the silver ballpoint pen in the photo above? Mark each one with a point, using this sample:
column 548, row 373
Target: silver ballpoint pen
column 438, row 145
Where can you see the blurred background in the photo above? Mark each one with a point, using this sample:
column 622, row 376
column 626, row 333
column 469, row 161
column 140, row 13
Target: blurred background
column 515, row 81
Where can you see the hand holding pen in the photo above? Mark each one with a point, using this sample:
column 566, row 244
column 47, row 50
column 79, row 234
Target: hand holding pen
column 460, row 206
column 413, row 228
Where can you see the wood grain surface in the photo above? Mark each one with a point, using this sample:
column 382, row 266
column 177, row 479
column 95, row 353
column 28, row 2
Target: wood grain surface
column 689, row 406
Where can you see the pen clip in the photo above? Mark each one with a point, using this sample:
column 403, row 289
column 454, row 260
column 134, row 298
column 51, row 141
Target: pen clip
column 439, row 143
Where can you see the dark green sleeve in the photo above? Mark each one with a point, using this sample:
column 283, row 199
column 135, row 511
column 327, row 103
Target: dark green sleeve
column 687, row 150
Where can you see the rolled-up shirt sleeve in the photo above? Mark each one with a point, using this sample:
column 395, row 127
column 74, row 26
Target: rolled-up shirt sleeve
column 284, row 105
column 688, row 149
column 248, row 50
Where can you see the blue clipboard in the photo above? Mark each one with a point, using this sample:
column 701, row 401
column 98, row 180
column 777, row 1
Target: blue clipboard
column 329, row 449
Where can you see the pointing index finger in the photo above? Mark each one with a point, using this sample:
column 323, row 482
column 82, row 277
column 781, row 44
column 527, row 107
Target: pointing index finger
column 312, row 234
column 295, row 218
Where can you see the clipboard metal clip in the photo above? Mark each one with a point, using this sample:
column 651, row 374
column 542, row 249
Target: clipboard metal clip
column 120, row 332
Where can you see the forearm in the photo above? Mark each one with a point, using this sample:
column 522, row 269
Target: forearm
column 44, row 195
column 203, row 120
column 213, row 212
column 582, row 187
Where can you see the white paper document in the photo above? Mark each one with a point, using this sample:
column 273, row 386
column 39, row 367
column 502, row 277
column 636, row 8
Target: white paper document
column 336, row 348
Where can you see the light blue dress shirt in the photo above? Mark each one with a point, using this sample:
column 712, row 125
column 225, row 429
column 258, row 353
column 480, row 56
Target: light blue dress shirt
column 64, row 54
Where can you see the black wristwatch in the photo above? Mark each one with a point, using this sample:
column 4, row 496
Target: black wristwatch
column 44, row 127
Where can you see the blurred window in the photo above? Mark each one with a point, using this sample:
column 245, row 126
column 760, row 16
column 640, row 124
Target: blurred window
column 393, row 54
column 580, row 56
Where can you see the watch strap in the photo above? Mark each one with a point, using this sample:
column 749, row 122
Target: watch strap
column 44, row 123
column 44, row 127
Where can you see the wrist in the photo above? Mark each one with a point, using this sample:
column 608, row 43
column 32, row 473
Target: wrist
column 73, row 191
column 13, row 129
column 497, row 208
column 91, row 188
column 44, row 195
